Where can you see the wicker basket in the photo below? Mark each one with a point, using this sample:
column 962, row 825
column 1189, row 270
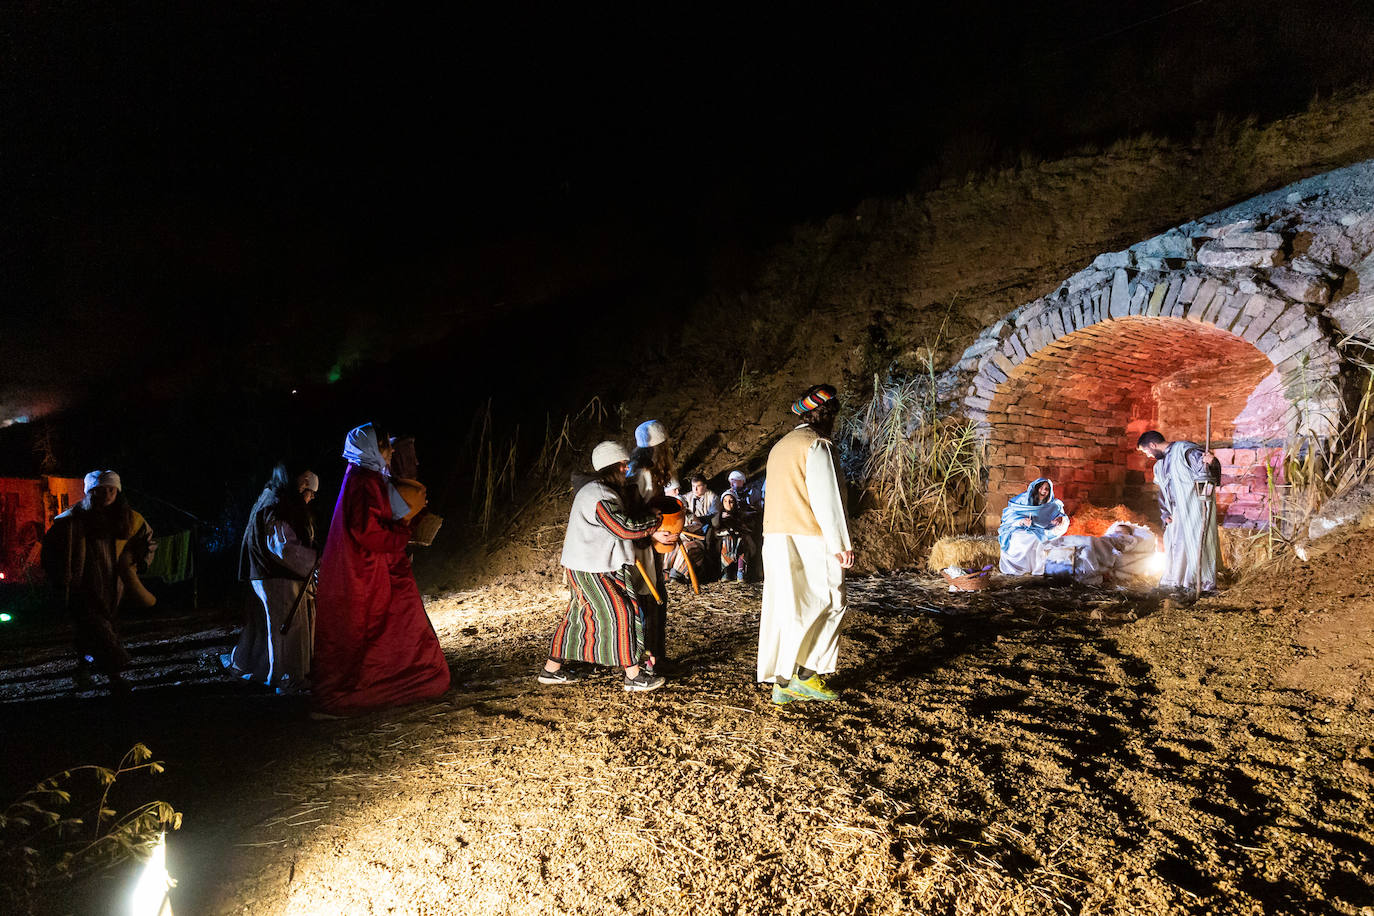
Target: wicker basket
column 973, row 582
column 424, row 528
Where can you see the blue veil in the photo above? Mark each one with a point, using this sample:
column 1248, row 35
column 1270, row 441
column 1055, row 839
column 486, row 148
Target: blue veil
column 1042, row 516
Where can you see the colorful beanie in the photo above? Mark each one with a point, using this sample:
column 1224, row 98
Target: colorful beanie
column 815, row 396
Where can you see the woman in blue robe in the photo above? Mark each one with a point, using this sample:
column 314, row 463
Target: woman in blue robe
column 1029, row 520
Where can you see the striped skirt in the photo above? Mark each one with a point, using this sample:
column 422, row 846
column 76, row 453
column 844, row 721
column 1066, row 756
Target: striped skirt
column 604, row 624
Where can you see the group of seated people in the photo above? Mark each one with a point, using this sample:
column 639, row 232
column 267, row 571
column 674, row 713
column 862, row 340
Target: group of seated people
column 722, row 534
column 1034, row 541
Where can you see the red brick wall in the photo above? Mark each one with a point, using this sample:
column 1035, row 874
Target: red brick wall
column 1072, row 411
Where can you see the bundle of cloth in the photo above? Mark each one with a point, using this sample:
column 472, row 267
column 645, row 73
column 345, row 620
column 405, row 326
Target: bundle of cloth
column 1033, row 543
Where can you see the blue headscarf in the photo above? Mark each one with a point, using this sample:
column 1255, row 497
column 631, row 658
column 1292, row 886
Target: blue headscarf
column 360, row 448
column 1021, row 506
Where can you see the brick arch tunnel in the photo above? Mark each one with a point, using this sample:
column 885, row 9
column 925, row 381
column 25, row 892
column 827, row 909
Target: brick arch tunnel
column 1062, row 388
column 1073, row 410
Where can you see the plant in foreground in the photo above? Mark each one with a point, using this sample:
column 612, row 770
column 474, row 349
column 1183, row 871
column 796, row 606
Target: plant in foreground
column 65, row 827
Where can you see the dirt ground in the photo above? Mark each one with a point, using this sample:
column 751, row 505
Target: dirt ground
column 1031, row 749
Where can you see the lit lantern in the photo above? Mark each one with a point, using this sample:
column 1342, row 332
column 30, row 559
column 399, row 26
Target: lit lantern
column 152, row 893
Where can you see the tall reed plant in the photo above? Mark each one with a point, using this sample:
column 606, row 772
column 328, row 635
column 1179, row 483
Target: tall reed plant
column 923, row 470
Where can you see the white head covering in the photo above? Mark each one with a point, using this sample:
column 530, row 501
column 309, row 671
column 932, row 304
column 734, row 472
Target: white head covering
column 737, row 475
column 650, row 433
column 607, row 454
column 102, row 479
column 360, row 448
column 308, row 481
column 670, row 486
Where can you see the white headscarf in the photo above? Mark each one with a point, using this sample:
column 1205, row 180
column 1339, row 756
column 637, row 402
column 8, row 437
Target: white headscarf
column 360, row 448
column 102, row 479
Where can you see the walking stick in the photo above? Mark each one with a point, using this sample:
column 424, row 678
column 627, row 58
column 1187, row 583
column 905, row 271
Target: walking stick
column 1206, row 512
column 296, row 605
column 647, row 581
column 687, row 558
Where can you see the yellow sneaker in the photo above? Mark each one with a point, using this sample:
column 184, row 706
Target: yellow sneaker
column 813, row 688
column 781, row 697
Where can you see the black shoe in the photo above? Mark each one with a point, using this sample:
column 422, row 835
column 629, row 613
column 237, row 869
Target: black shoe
column 642, row 682
column 561, row 676
column 679, row 578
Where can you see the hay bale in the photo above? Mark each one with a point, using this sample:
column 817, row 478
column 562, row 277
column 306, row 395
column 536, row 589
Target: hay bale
column 967, row 551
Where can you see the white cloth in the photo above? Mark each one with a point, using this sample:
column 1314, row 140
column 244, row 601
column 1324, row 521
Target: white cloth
column 804, row 597
column 361, row 448
column 1192, row 528
column 588, row 545
column 1025, row 556
column 804, row 603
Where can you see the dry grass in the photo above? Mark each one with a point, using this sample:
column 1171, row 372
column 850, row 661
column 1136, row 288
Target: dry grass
column 967, row 551
column 923, row 470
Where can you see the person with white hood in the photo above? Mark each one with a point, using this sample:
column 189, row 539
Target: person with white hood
column 604, row 623
column 806, row 549
column 91, row 555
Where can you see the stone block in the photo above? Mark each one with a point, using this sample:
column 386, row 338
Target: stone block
column 1138, row 295
column 1011, row 349
column 1256, row 240
column 1244, row 225
column 1157, row 298
column 1031, row 312
column 1296, row 344
column 1056, row 321
column 1312, row 267
column 1111, row 260
column 1300, row 286
column 1229, row 312
column 1213, row 308
column 1186, row 294
column 1260, row 325
column 1120, row 295
column 1216, row 254
column 1171, row 297
column 1205, row 292
column 980, row 346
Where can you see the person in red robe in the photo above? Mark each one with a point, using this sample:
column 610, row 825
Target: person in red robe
column 374, row 644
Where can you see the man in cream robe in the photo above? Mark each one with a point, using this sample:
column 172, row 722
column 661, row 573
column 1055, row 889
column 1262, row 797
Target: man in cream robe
column 806, row 549
column 1187, row 477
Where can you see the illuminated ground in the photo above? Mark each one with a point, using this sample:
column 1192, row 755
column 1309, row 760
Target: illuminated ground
column 1032, row 750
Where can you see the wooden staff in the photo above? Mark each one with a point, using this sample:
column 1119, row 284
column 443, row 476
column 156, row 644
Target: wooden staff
column 1206, row 510
column 647, row 581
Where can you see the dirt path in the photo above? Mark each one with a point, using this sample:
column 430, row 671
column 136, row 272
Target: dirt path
column 1030, row 750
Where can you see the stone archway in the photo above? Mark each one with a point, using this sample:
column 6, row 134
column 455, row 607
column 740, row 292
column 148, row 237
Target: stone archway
column 1063, row 386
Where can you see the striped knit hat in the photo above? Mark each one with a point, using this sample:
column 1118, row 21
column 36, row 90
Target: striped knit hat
column 815, row 396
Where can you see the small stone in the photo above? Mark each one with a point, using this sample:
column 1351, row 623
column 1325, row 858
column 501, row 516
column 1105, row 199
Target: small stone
column 1351, row 219
column 1302, row 287
column 1214, row 254
column 1312, row 267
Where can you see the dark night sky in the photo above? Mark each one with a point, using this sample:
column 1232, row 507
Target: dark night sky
column 268, row 189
